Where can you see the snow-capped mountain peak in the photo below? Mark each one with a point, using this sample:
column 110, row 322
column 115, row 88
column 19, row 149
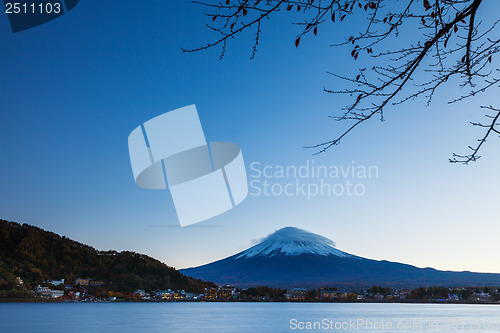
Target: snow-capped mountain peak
column 293, row 241
column 292, row 258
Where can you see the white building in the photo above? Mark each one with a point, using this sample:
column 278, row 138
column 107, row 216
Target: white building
column 57, row 282
column 43, row 291
column 56, row 293
column 140, row 292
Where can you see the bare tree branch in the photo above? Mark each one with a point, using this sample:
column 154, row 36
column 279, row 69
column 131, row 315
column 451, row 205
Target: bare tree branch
column 446, row 40
column 491, row 128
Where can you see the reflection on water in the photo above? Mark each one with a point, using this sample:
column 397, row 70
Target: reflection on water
column 246, row 317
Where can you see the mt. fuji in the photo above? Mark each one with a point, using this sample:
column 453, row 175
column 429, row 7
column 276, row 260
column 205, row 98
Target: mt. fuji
column 293, row 242
column 293, row 257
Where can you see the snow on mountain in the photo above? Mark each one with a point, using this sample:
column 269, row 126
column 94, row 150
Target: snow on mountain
column 293, row 241
column 292, row 257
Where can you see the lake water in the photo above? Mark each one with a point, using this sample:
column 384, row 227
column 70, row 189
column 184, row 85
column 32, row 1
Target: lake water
column 246, row 317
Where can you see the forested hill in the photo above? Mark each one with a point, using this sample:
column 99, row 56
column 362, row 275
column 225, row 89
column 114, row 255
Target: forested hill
column 37, row 255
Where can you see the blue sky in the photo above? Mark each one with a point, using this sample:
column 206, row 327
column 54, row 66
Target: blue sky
column 74, row 88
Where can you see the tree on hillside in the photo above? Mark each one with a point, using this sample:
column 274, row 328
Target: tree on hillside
column 445, row 40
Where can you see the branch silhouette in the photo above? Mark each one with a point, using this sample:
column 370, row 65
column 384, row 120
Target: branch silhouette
column 446, row 40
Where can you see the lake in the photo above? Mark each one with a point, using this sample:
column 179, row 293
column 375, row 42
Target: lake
column 246, row 317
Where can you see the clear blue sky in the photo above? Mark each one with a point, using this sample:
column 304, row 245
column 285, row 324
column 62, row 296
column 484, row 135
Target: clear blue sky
column 73, row 89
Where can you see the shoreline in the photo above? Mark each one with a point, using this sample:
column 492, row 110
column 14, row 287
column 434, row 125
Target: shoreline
column 42, row 300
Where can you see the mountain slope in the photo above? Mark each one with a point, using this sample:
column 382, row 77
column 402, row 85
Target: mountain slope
column 37, row 255
column 293, row 241
column 293, row 257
